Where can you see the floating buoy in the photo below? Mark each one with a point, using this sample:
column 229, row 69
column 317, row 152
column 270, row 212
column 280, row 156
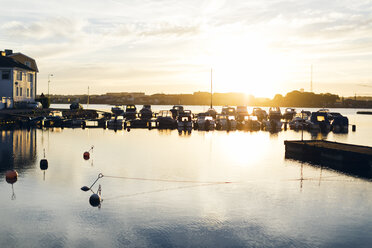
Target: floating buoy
column 95, row 200
column 11, row 176
column 86, row 155
column 43, row 164
column 85, row 188
column 128, row 129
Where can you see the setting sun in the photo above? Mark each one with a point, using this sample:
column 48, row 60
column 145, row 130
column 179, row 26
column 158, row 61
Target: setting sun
column 244, row 64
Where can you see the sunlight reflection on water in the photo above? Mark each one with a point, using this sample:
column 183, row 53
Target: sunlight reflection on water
column 266, row 205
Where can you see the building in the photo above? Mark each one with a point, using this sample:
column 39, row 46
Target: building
column 18, row 78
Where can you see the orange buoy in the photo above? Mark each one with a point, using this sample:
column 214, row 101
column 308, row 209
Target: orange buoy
column 86, row 155
column 11, row 176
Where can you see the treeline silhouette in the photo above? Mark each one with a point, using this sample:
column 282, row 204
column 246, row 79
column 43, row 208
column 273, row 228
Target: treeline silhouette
column 291, row 99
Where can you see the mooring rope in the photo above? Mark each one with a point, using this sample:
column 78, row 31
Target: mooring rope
column 161, row 190
column 167, row 180
column 195, row 184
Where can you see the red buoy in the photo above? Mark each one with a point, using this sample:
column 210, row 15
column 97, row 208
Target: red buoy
column 86, row 155
column 11, row 176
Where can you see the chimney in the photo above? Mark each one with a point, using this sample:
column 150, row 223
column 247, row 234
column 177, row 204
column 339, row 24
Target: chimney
column 8, row 52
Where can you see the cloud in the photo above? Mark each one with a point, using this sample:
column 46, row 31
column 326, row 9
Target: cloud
column 157, row 35
column 51, row 29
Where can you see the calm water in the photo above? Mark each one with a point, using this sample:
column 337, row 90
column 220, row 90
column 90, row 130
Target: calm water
column 271, row 202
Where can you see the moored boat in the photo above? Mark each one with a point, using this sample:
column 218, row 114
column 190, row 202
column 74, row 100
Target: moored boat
column 289, row 113
column 130, row 112
column 117, row 110
column 205, row 122
column 164, row 120
column 184, row 120
column 260, row 113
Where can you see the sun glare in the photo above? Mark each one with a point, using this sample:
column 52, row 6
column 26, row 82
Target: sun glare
column 246, row 65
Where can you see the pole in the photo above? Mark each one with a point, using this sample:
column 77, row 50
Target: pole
column 49, row 75
column 88, row 98
column 211, row 91
column 302, row 125
column 311, row 79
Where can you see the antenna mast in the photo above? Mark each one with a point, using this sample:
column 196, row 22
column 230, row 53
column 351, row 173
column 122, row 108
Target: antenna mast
column 311, row 79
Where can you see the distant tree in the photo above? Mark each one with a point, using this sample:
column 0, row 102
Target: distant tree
column 278, row 100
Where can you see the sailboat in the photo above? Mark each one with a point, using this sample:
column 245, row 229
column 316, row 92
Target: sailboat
column 211, row 111
column 206, row 121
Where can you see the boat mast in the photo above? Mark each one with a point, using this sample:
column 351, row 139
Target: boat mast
column 88, row 98
column 211, row 91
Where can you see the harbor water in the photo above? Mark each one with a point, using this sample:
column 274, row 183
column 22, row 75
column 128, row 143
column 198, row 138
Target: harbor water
column 163, row 189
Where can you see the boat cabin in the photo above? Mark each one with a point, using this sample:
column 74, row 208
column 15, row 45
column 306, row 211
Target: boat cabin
column 228, row 111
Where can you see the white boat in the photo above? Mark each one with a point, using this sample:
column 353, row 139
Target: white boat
column 289, row 113
column 225, row 122
column 272, row 125
column 230, row 111
column 275, row 113
column 241, row 113
column 250, row 123
column 260, row 113
column 164, row 120
column 115, row 123
column 184, row 120
column 205, row 122
column 300, row 120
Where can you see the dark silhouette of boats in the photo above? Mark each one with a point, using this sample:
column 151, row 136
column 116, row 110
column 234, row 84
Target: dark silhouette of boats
column 176, row 110
column 164, row 120
column 117, row 110
column 144, row 120
column 289, row 113
column 184, row 120
column 260, row 113
column 130, row 112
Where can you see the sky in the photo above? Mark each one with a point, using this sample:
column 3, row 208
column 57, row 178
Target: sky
column 162, row 46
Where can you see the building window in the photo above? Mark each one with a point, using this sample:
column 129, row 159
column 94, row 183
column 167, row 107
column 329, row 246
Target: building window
column 28, row 63
column 28, row 92
column 31, row 78
column 31, row 93
column 17, row 91
column 19, row 75
column 5, row 74
column 20, row 91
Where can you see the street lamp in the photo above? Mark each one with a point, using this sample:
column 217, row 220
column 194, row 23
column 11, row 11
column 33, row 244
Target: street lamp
column 49, row 75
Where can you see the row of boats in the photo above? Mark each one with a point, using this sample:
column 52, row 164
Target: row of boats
column 230, row 118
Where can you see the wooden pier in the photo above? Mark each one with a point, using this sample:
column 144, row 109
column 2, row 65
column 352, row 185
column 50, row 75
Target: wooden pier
column 364, row 112
column 351, row 159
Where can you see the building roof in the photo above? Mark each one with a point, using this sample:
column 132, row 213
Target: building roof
column 22, row 58
column 10, row 63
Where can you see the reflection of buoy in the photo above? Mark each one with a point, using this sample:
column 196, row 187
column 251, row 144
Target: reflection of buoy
column 11, row 176
column 95, row 200
column 128, row 129
column 86, row 155
column 43, row 164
